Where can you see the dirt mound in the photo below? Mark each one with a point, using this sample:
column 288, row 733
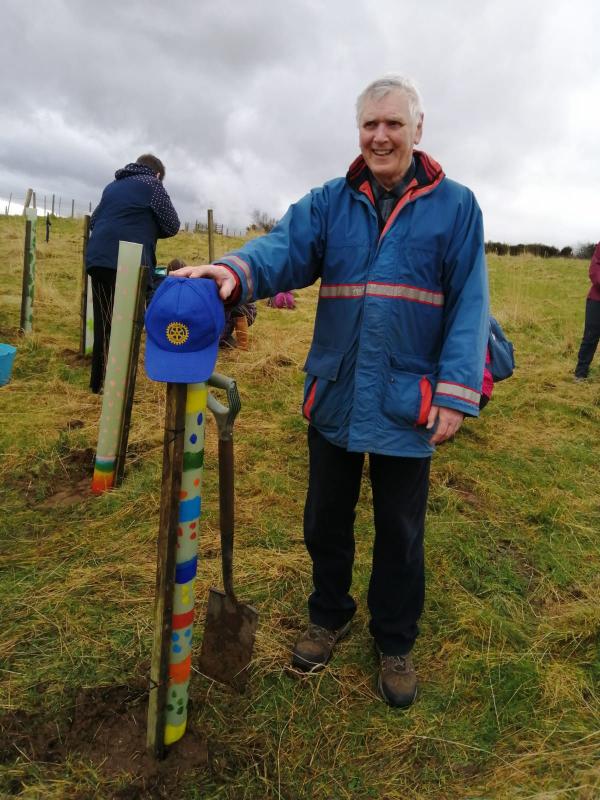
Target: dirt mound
column 107, row 728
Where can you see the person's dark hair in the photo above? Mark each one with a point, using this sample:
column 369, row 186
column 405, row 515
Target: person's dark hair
column 155, row 164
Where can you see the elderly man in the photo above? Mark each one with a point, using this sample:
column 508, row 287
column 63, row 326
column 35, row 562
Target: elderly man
column 395, row 364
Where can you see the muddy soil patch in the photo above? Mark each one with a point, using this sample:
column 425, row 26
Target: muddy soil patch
column 73, row 479
column 107, row 728
column 73, row 358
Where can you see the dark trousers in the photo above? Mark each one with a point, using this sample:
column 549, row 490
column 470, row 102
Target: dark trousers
column 103, row 298
column 397, row 585
column 591, row 335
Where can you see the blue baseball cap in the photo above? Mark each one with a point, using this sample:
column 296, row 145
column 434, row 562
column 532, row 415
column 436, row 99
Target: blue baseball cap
column 184, row 321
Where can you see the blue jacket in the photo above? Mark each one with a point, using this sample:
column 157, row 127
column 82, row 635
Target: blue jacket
column 135, row 207
column 402, row 317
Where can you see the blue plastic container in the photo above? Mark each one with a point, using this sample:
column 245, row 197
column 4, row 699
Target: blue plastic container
column 7, row 357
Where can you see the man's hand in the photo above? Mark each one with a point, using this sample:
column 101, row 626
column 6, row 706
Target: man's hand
column 448, row 422
column 221, row 276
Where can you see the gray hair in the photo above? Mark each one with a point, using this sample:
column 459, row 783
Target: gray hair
column 391, row 83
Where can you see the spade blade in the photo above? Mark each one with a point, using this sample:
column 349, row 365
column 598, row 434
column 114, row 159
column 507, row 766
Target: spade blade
column 228, row 642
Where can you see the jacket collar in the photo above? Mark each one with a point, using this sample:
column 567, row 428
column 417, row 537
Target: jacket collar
column 428, row 175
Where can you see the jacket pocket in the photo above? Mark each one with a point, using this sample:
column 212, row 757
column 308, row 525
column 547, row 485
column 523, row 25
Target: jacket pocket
column 409, row 391
column 322, row 367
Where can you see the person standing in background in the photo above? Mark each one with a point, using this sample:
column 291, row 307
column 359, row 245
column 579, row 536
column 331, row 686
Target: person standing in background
column 135, row 207
column 591, row 330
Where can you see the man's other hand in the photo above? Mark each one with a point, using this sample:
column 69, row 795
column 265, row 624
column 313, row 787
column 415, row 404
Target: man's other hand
column 448, row 422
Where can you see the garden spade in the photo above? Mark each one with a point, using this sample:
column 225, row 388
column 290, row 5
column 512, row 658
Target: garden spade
column 230, row 626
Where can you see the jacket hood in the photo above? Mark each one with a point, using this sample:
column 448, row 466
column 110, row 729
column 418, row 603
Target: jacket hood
column 133, row 169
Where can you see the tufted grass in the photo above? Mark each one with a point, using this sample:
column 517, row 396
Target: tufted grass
column 508, row 657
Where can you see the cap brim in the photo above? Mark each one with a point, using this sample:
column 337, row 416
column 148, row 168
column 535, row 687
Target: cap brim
column 169, row 367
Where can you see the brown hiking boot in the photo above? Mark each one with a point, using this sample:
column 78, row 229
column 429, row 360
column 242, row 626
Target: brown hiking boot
column 397, row 682
column 314, row 648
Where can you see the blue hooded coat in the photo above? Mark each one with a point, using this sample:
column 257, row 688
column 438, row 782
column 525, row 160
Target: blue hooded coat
column 135, row 207
column 402, row 317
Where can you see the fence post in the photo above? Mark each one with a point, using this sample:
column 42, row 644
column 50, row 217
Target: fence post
column 211, row 240
column 52, row 212
column 26, row 323
column 173, row 446
column 72, row 208
column 84, row 288
column 59, row 202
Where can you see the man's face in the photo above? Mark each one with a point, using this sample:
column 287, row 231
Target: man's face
column 387, row 133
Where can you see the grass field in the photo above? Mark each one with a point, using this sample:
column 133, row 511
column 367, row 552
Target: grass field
column 508, row 658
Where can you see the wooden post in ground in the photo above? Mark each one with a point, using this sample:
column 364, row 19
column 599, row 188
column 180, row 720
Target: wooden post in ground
column 174, row 602
column 72, row 208
column 211, row 237
column 26, row 323
column 84, row 289
column 117, row 382
column 52, row 212
column 165, row 570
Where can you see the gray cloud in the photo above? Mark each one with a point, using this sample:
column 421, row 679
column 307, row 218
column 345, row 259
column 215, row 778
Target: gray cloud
column 250, row 105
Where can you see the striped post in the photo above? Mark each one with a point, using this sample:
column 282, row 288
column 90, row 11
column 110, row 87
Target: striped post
column 117, row 382
column 27, row 295
column 176, row 568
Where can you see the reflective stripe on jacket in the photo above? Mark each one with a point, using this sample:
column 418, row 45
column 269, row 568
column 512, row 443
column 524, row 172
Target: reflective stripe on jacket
column 402, row 316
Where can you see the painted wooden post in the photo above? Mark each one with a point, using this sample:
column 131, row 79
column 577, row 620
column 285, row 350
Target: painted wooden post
column 83, row 304
column 117, row 382
column 176, row 569
column 28, row 292
column 211, row 237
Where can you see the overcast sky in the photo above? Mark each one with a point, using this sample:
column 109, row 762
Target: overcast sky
column 250, row 103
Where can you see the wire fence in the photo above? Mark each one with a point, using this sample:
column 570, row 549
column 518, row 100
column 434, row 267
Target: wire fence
column 59, row 205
